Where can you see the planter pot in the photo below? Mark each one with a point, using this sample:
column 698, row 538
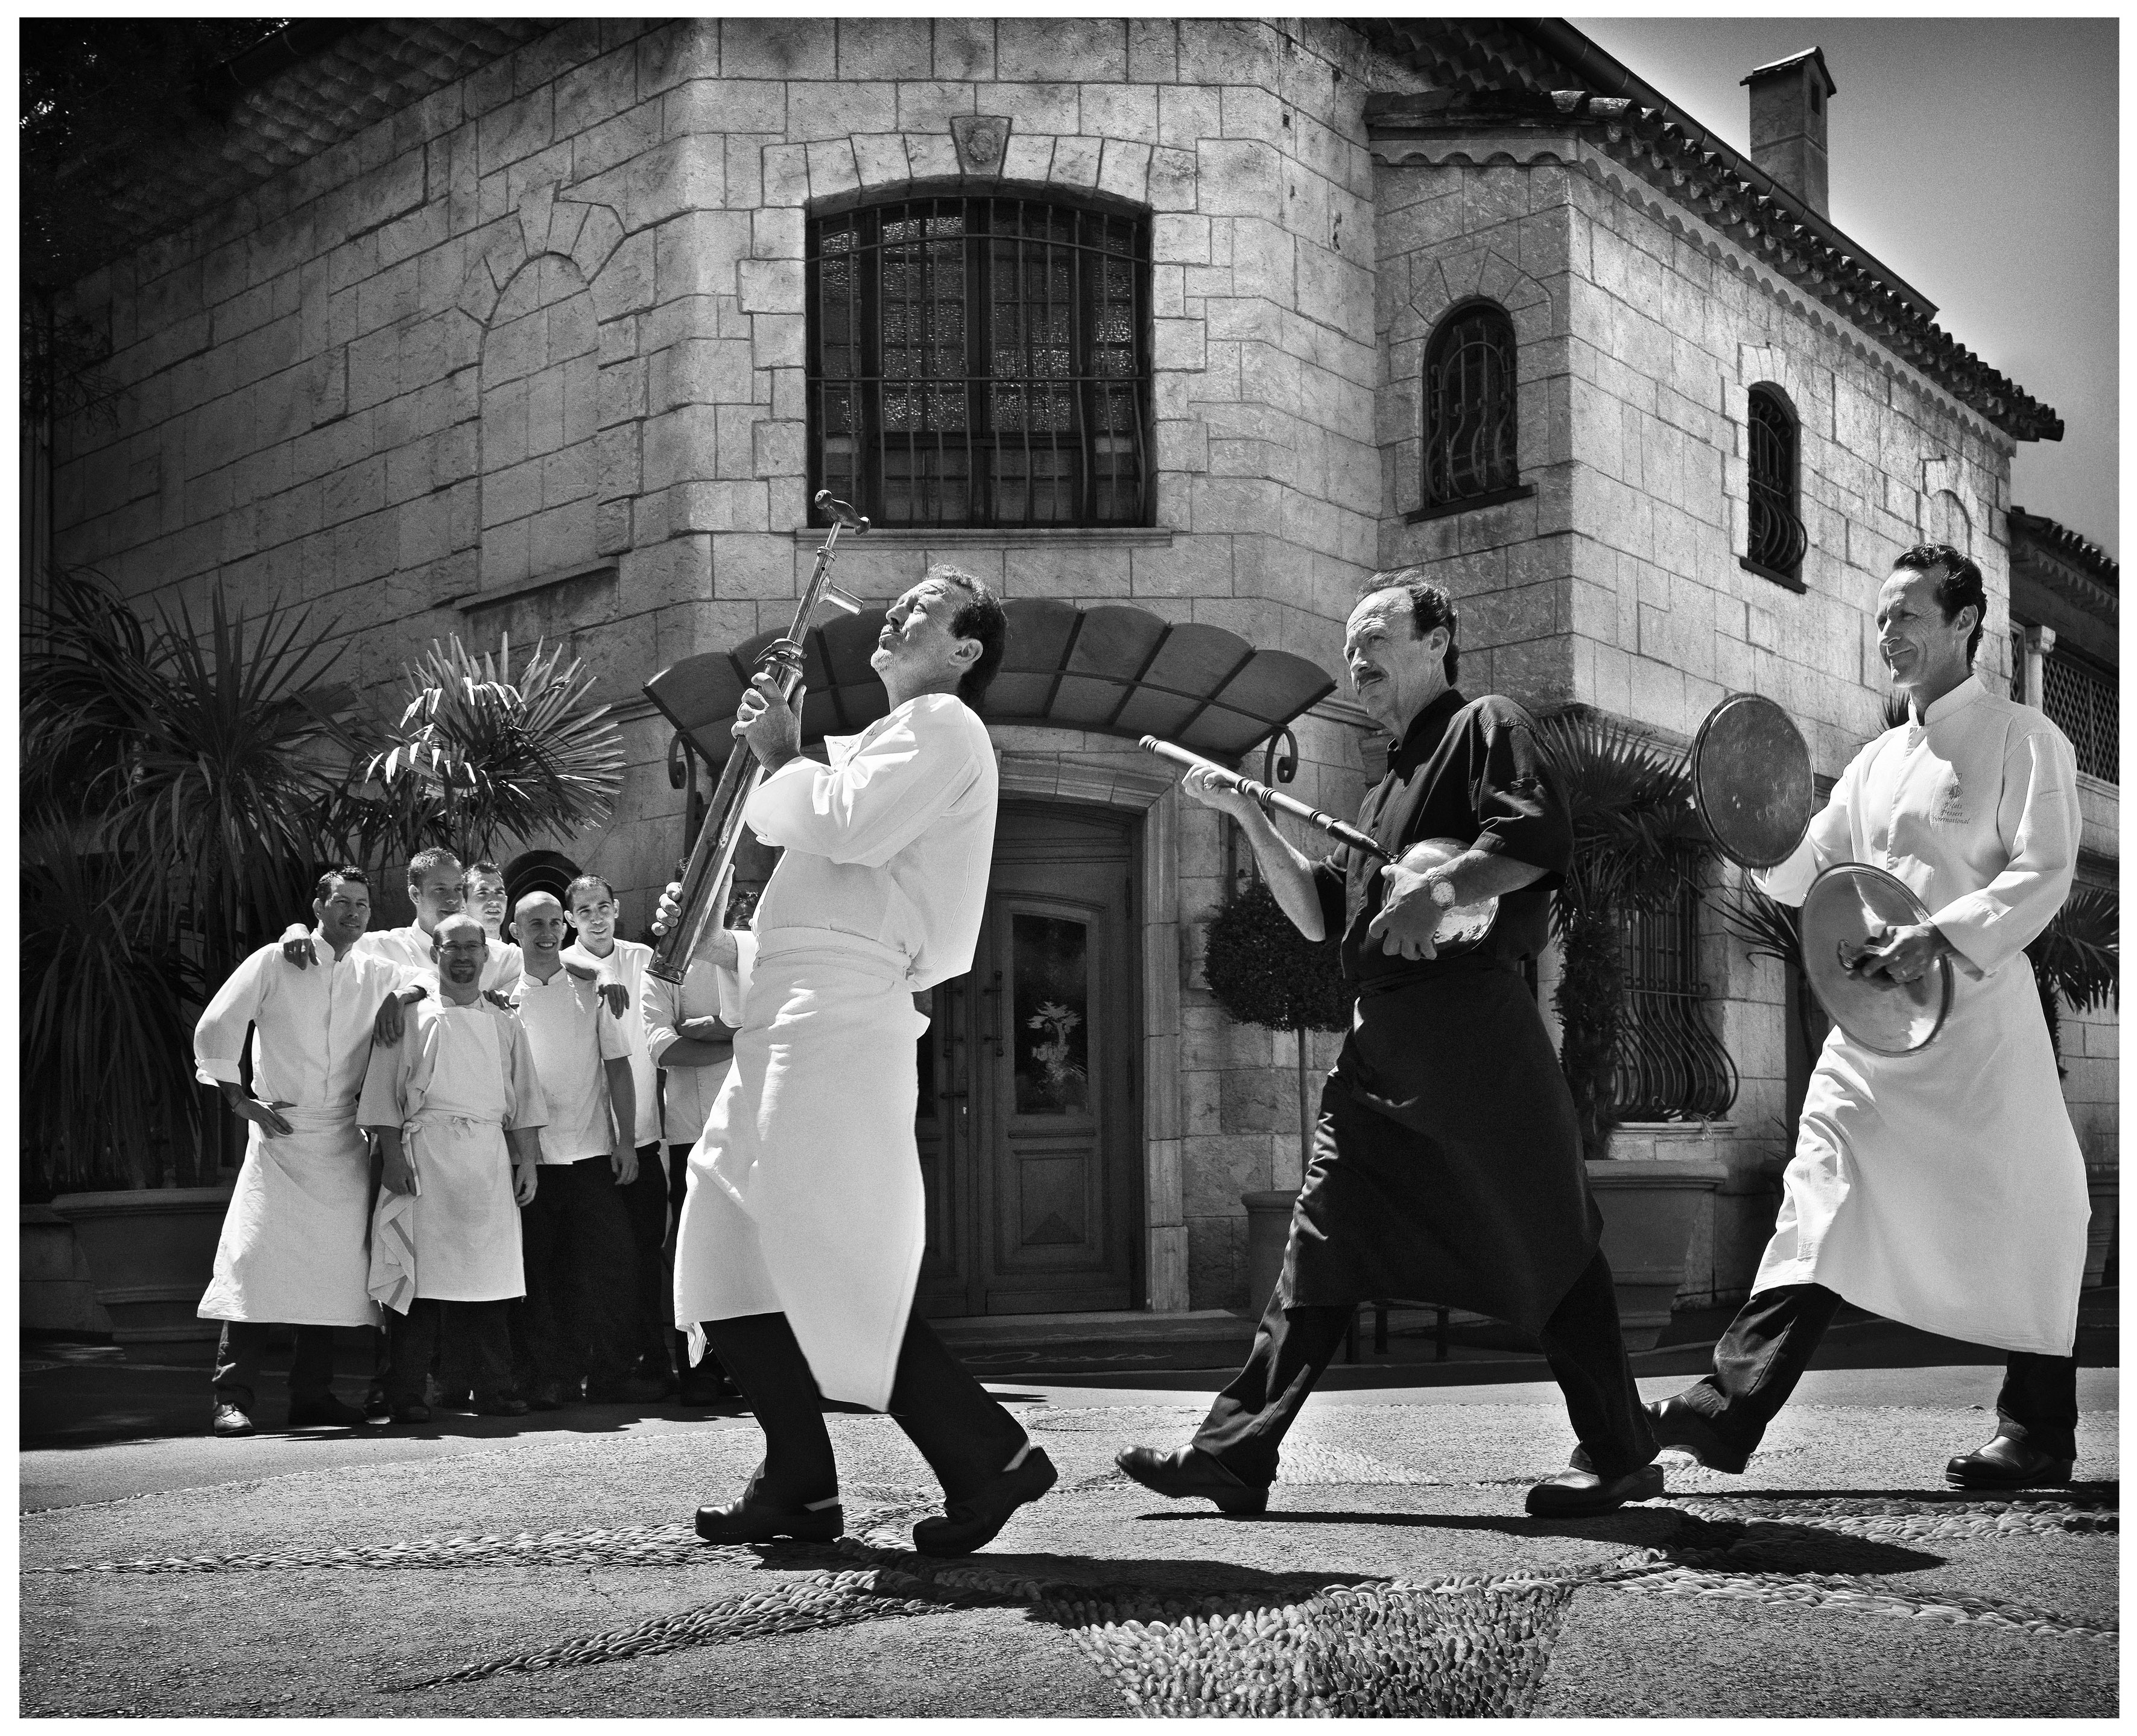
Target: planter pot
column 1269, row 1227
column 2103, row 1183
column 1650, row 1207
column 151, row 1253
column 58, row 1293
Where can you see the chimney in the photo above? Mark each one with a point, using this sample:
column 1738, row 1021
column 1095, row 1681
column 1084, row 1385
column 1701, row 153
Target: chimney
column 1789, row 100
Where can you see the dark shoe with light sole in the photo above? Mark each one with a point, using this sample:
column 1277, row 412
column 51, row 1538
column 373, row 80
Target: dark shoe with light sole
column 972, row 1522
column 750, row 1521
column 410, row 1412
column 1191, row 1474
column 314, row 1412
column 1677, row 1426
column 375, row 1406
column 2008, row 1463
column 1578, row 1492
column 230, row 1423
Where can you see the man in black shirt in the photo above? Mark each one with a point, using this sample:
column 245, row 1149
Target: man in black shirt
column 1446, row 1163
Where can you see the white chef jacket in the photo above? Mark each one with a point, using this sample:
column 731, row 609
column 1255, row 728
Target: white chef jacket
column 891, row 841
column 705, row 992
column 1945, row 1188
column 626, row 964
column 572, row 1033
column 311, row 1038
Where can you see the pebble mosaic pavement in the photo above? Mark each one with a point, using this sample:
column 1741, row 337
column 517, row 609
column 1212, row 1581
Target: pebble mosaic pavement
column 1225, row 1621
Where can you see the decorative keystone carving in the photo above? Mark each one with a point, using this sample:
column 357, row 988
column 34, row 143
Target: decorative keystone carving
column 980, row 140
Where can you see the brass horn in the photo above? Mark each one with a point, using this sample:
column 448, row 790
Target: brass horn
column 704, row 895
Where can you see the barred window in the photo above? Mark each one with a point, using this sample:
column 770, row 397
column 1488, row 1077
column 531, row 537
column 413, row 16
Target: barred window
column 1670, row 1064
column 2083, row 699
column 1776, row 541
column 1469, row 419
column 980, row 362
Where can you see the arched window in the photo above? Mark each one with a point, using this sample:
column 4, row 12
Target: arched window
column 1775, row 542
column 1469, row 427
column 981, row 361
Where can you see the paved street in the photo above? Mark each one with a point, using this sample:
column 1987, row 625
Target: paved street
column 479, row 1567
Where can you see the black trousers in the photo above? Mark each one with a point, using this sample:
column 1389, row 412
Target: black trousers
column 1769, row 1344
column 242, row 1350
column 645, row 1211
column 709, row 1367
column 470, row 1342
column 1581, row 1341
column 966, row 1438
column 581, row 1282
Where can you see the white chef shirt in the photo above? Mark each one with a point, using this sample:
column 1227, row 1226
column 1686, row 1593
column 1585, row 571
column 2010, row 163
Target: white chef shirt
column 1974, row 807
column 311, row 1038
column 573, row 1035
column 705, row 992
column 891, row 841
column 626, row 964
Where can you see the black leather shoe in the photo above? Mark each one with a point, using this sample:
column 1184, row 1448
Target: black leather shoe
column 312, row 1412
column 1676, row 1425
column 411, row 1411
column 503, row 1406
column 230, row 1423
column 748, row 1521
column 2008, row 1463
column 971, row 1524
column 375, row 1406
column 1578, row 1492
column 1190, row 1474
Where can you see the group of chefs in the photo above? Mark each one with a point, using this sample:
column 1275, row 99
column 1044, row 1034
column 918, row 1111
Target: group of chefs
column 459, row 1138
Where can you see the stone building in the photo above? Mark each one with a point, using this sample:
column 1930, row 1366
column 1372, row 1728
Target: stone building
column 1174, row 329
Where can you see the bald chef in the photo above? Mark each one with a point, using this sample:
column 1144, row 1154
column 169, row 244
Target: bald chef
column 292, row 1249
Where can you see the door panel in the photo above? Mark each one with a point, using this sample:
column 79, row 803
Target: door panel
column 1028, row 1135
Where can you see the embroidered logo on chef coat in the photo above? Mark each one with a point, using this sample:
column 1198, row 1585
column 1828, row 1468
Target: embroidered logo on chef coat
column 1950, row 803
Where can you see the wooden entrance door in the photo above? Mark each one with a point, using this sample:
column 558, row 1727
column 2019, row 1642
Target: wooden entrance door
column 1029, row 1139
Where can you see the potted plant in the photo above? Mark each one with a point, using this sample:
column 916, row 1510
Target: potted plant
column 1631, row 810
column 1263, row 971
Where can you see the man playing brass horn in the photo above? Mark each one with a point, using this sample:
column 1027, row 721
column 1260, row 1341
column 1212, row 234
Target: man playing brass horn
column 1447, row 1163
column 1942, row 1188
column 802, row 1230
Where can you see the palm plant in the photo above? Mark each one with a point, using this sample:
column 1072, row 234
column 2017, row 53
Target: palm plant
column 1630, row 802
column 2078, row 958
column 477, row 756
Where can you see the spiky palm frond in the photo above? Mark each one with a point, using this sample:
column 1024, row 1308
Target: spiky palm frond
column 1630, row 800
column 1767, row 927
column 2079, row 955
column 477, row 755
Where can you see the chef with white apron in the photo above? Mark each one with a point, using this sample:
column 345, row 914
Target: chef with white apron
column 1944, row 1189
column 804, row 1220
column 446, row 1249
column 292, row 1247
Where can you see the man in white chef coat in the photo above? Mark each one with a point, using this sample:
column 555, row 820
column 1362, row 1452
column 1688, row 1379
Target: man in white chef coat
column 446, row 1101
column 1945, row 1187
column 804, row 1224
column 690, row 1030
column 580, row 1264
column 292, row 1249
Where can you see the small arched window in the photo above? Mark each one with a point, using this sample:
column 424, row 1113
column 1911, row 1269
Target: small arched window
column 1469, row 422
column 1775, row 541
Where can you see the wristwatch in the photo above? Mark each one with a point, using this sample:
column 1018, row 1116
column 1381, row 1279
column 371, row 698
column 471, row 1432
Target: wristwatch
column 1442, row 892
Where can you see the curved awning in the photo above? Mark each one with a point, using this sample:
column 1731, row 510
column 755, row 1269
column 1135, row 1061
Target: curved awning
column 1113, row 669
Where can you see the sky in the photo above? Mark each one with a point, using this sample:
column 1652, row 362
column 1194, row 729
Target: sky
column 1977, row 157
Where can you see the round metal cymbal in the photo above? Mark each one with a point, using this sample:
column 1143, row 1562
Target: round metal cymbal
column 1751, row 780
column 1849, row 906
column 1465, row 924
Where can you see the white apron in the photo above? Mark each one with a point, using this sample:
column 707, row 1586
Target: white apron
column 456, row 1239
column 292, row 1248
column 804, row 1194
column 1944, row 1189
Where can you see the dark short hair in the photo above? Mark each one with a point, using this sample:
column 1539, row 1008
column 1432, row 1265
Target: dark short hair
column 423, row 861
column 1429, row 607
column 1959, row 585
column 484, row 867
column 346, row 871
column 587, row 882
column 981, row 618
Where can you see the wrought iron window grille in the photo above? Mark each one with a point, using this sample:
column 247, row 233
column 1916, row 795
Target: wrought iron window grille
column 1470, row 423
column 980, row 362
column 1776, row 542
column 2084, row 701
column 1670, row 1065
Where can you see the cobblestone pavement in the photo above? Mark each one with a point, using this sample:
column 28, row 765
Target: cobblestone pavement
column 1395, row 1574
